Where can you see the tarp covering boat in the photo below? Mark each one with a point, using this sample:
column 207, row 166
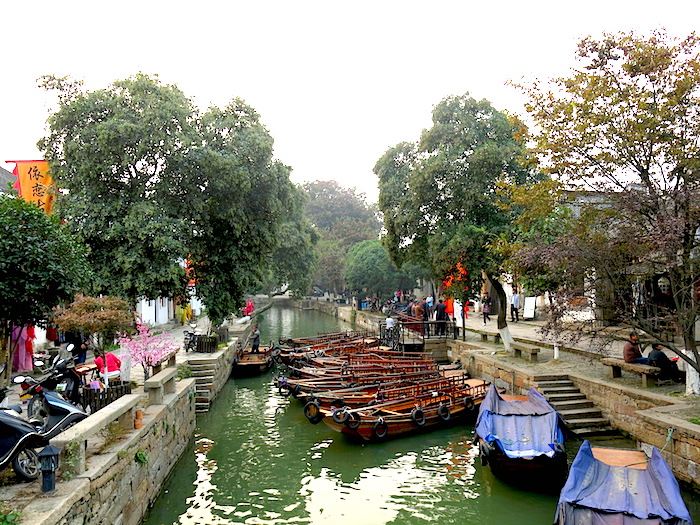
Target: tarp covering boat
column 602, row 494
column 523, row 429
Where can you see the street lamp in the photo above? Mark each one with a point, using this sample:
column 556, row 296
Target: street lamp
column 48, row 458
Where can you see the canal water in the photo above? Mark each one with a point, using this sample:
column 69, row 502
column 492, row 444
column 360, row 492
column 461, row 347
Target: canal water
column 255, row 459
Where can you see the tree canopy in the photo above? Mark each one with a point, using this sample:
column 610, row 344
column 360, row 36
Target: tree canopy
column 369, row 269
column 342, row 218
column 119, row 154
column 439, row 198
column 152, row 182
column 622, row 131
column 41, row 264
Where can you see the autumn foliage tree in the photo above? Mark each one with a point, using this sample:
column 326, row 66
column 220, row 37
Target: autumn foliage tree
column 623, row 132
column 99, row 318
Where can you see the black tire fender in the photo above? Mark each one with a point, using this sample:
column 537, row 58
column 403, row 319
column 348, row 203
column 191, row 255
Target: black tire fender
column 353, row 421
column 381, row 428
column 418, row 416
column 444, row 412
column 312, row 411
column 469, row 403
column 284, row 389
column 484, row 450
column 341, row 415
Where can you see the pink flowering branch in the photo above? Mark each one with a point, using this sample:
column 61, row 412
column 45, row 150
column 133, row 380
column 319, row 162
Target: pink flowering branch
column 147, row 349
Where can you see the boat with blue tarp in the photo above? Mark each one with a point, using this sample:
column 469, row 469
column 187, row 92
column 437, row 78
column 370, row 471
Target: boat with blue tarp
column 612, row 486
column 521, row 438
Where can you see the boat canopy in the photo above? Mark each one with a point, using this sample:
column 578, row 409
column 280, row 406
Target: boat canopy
column 523, row 429
column 599, row 493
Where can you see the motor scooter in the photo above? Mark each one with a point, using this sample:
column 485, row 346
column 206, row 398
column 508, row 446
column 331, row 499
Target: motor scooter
column 62, row 377
column 19, row 437
column 190, row 342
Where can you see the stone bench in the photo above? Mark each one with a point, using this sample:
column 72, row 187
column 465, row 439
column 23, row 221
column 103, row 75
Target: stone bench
column 649, row 373
column 160, row 384
column 486, row 333
column 525, row 348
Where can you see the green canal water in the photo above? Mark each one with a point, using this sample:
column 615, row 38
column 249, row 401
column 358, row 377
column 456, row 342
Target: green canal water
column 255, row 459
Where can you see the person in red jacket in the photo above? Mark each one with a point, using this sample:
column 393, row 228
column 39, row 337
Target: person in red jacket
column 631, row 352
column 113, row 365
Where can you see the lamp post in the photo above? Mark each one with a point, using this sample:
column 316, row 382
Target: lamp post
column 48, row 458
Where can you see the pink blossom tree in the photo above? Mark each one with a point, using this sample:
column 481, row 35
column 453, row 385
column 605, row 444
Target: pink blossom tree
column 146, row 348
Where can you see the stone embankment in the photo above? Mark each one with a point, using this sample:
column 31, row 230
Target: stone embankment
column 661, row 417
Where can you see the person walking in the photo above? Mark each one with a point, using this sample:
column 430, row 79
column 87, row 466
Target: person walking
column 515, row 306
column 486, row 307
column 441, row 316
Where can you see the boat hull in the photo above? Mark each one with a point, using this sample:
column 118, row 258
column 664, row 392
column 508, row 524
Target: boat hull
column 539, row 474
column 374, row 430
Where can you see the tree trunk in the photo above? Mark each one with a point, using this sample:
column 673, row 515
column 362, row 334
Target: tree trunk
column 502, row 324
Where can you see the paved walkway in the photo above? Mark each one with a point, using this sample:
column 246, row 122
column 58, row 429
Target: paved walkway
column 174, row 330
column 584, row 360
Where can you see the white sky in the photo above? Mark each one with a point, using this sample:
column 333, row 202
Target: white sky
column 336, row 83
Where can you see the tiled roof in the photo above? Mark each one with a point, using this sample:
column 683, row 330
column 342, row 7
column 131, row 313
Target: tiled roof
column 5, row 177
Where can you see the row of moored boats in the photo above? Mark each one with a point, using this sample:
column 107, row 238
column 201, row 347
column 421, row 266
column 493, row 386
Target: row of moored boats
column 372, row 393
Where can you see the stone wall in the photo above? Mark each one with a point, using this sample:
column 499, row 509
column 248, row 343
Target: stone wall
column 119, row 485
column 361, row 319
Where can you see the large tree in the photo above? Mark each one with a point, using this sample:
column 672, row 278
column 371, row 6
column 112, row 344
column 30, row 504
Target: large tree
column 118, row 154
column 246, row 196
column 41, row 265
column 294, row 258
column 153, row 183
column 624, row 130
column 438, row 196
column 342, row 217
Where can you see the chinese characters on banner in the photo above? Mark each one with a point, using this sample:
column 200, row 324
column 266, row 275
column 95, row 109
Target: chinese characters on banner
column 34, row 182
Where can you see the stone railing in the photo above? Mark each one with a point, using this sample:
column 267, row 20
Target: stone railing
column 111, row 471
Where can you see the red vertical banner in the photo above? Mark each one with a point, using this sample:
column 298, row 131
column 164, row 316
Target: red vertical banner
column 34, row 182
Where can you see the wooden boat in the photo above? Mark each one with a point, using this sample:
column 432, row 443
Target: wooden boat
column 297, row 387
column 293, row 356
column 610, row 486
column 374, row 394
column 328, row 338
column 522, row 439
column 401, row 417
column 368, row 368
column 249, row 363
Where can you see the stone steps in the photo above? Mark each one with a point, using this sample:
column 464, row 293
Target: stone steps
column 575, row 414
column 566, row 396
column 570, row 404
column 581, row 416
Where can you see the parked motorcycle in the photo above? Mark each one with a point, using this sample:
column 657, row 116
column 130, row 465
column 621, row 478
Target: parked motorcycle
column 19, row 437
column 190, row 342
column 62, row 377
